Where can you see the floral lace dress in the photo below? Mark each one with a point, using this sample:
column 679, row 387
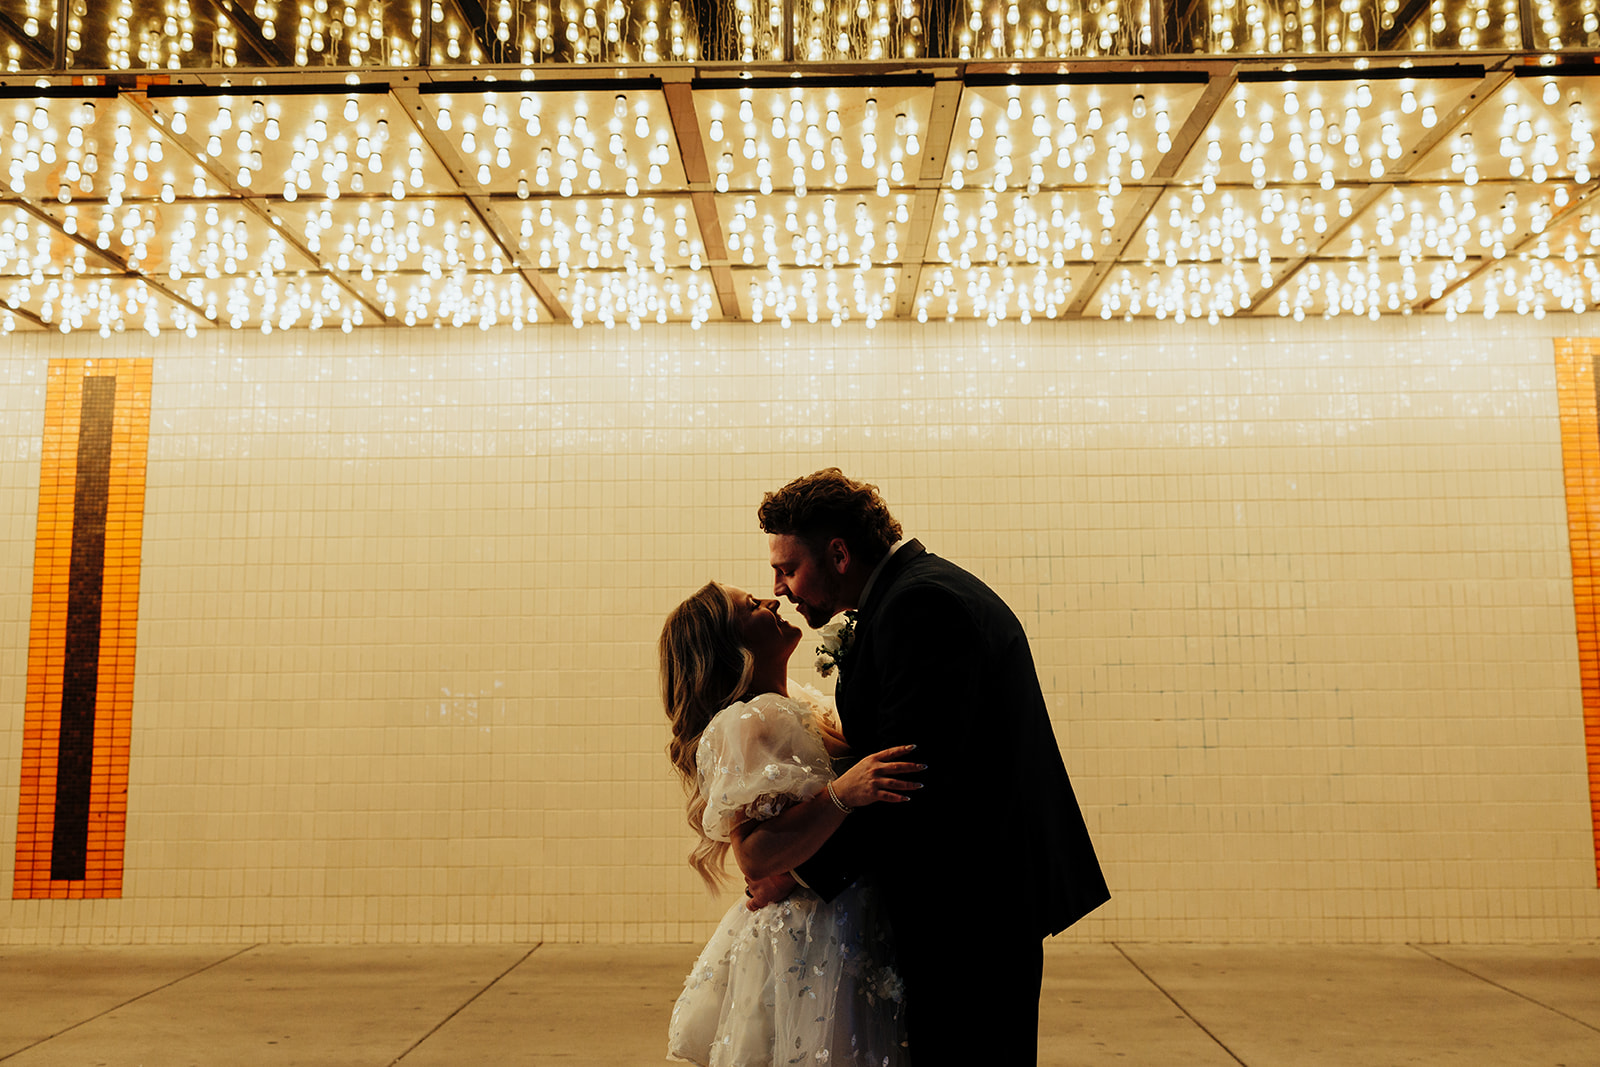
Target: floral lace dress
column 800, row 981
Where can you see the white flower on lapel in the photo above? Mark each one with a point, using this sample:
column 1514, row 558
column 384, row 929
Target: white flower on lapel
column 836, row 640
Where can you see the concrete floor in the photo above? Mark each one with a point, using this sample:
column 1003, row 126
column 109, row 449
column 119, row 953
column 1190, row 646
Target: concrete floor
column 607, row 1006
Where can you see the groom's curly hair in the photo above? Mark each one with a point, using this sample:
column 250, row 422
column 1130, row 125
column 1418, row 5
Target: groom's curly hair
column 819, row 507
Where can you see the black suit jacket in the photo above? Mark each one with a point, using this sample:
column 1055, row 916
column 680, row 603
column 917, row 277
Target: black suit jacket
column 938, row 660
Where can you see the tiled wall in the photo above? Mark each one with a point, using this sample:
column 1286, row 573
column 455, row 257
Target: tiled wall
column 1300, row 594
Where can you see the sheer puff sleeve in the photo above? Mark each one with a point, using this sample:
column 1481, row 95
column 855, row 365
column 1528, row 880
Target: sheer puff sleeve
column 755, row 759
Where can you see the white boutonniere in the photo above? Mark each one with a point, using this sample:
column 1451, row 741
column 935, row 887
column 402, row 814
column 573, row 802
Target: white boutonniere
column 836, row 639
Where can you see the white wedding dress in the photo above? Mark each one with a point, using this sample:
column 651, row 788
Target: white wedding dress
column 800, row 981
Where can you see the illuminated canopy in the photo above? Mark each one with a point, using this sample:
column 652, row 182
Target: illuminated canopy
column 189, row 165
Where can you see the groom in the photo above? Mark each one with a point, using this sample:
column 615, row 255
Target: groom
column 993, row 855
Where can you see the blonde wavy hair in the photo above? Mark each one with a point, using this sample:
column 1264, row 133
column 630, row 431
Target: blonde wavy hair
column 705, row 666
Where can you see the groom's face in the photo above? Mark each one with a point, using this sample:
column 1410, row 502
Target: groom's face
column 812, row 585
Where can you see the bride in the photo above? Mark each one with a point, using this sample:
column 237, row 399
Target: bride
column 799, row 981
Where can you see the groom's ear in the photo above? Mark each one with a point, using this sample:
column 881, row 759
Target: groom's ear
column 837, row 555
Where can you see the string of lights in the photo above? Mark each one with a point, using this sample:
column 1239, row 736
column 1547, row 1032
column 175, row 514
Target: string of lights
column 180, row 165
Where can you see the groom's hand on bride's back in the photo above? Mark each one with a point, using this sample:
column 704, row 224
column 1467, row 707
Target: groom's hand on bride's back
column 760, row 893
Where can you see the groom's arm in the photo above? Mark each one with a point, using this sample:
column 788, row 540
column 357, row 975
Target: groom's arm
column 835, row 866
column 758, row 894
column 929, row 654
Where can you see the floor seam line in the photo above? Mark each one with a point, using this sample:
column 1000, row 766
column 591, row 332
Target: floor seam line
column 1506, row 988
column 130, row 1000
column 464, row 1005
column 1187, row 1013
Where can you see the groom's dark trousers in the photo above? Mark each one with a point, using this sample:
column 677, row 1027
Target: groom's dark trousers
column 993, row 855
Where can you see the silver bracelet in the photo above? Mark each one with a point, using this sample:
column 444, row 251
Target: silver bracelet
column 841, row 805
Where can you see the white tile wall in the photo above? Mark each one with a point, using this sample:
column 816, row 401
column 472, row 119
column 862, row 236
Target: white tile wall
column 1300, row 596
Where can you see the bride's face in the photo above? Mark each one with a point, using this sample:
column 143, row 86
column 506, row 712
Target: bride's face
column 767, row 634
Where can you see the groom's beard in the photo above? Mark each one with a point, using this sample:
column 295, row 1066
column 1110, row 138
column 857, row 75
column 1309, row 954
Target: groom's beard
column 817, row 615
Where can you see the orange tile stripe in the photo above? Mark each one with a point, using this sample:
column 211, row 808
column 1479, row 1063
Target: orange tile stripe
column 119, row 614
column 1576, row 382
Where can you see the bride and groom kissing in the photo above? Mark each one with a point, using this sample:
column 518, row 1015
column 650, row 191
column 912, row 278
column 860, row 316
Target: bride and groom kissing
column 895, row 906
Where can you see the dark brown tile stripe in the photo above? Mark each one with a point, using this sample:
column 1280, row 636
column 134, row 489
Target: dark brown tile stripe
column 80, row 677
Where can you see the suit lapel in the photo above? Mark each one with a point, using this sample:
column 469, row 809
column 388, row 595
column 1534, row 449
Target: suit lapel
column 891, row 570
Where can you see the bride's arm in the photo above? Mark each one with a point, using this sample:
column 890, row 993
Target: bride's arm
column 766, row 847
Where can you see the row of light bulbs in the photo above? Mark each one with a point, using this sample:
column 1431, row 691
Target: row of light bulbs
column 1320, row 137
column 1360, row 289
column 1187, row 293
column 572, row 31
column 390, row 238
column 339, row 151
column 814, row 142
column 1030, row 235
column 824, row 296
column 815, row 235
column 1053, row 30
column 623, row 234
column 1341, row 26
column 78, row 303
column 634, row 299
column 570, row 156
column 1363, row 289
column 1403, row 229
column 283, row 304
column 1228, row 232
column 35, row 145
column 1060, row 141
column 993, row 294
column 328, row 164
column 458, row 300
column 174, row 35
column 1531, row 288
column 1460, row 227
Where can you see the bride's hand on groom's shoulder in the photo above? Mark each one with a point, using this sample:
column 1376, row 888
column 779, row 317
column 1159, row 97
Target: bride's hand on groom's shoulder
column 880, row 776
